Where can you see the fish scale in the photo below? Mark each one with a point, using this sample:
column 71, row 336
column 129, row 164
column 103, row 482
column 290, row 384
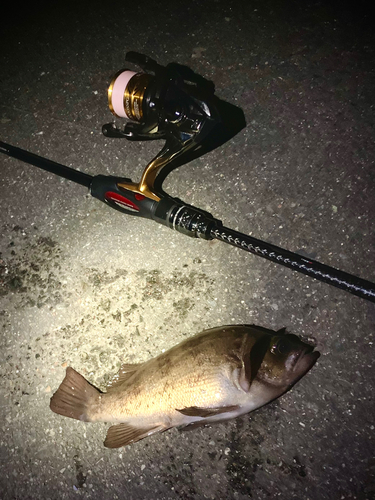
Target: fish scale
column 216, row 375
column 209, row 385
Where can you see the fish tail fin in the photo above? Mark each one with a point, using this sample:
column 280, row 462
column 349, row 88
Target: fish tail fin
column 74, row 397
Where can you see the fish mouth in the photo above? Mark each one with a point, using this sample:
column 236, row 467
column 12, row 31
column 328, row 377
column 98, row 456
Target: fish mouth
column 305, row 360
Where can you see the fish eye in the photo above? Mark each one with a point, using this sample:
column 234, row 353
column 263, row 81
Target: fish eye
column 282, row 346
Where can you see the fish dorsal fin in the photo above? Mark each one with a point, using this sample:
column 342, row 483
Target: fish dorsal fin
column 123, row 434
column 125, row 372
column 195, row 411
column 262, row 329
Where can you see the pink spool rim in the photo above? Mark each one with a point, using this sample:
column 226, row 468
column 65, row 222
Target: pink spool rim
column 116, row 93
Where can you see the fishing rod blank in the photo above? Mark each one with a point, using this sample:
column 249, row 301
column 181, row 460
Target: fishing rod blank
column 193, row 222
column 45, row 164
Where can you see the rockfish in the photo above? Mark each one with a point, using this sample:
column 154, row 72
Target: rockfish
column 215, row 376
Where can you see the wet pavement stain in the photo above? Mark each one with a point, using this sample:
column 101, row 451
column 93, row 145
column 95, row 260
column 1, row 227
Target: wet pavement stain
column 29, row 268
column 241, row 468
column 81, row 477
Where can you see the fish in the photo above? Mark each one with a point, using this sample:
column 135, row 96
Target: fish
column 217, row 375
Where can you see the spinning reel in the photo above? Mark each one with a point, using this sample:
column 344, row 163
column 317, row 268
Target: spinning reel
column 162, row 103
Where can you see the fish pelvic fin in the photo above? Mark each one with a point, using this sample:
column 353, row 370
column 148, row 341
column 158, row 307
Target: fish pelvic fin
column 194, row 425
column 74, row 396
column 124, row 434
column 195, row 411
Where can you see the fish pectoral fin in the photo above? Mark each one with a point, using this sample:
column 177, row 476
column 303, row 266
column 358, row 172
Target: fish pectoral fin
column 125, row 372
column 253, row 362
column 194, row 425
column 123, row 434
column 195, row 411
column 282, row 331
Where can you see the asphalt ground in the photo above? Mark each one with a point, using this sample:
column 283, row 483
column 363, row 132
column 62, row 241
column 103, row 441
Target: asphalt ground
column 85, row 286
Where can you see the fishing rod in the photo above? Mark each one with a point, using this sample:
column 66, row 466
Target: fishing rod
column 174, row 104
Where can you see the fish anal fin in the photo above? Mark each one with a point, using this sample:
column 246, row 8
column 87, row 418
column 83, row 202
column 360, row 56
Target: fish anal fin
column 125, row 372
column 195, row 411
column 124, row 434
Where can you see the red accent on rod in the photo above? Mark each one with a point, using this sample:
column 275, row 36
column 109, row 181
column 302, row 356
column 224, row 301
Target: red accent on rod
column 121, row 200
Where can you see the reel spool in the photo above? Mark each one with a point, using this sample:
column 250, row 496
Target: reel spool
column 126, row 93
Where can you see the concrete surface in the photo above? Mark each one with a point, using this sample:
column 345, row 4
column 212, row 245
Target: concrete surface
column 84, row 286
